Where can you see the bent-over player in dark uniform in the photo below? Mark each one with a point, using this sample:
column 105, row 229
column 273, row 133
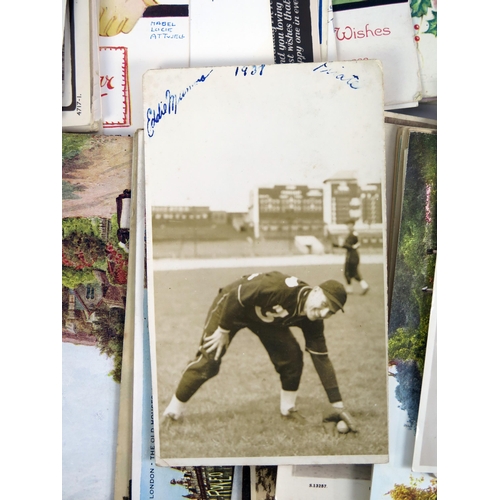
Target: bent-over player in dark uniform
column 268, row 304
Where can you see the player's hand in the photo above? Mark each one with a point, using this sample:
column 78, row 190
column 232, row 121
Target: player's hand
column 217, row 342
column 120, row 16
column 337, row 414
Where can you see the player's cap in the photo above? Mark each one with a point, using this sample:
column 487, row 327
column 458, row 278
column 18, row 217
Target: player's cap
column 335, row 293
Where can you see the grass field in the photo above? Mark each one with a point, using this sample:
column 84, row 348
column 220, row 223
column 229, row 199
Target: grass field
column 236, row 414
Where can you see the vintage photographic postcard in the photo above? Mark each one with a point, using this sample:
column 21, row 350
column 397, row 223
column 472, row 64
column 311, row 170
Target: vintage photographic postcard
column 411, row 306
column 393, row 124
column 255, row 176
column 96, row 182
column 414, row 198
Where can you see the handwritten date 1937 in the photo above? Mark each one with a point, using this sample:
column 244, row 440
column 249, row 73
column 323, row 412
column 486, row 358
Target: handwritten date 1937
column 249, row 70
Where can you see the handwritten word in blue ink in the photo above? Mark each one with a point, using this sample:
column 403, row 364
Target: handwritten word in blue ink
column 249, row 70
column 164, row 29
column 169, row 107
column 170, row 36
column 351, row 81
column 166, row 26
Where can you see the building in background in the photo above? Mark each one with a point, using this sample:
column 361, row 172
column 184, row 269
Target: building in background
column 192, row 223
column 284, row 211
column 281, row 212
column 345, row 199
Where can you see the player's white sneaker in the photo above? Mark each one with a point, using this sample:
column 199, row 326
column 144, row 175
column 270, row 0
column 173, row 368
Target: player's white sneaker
column 171, row 416
column 174, row 411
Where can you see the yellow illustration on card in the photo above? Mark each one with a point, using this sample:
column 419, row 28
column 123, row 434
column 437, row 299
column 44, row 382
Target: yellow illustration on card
column 120, row 16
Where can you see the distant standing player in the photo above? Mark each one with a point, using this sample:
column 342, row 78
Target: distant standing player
column 268, row 304
column 351, row 268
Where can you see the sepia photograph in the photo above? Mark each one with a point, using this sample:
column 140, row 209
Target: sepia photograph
column 265, row 210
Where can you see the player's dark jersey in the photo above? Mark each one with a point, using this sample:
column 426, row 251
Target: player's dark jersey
column 351, row 241
column 272, row 299
column 268, row 304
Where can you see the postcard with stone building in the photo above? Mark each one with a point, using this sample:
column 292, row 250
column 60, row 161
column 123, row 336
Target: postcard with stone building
column 265, row 201
column 96, row 343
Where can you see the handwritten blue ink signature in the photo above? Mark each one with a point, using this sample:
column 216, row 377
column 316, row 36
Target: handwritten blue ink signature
column 169, row 107
column 351, row 81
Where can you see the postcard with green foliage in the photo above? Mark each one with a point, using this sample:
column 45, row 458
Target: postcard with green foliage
column 96, row 176
column 411, row 298
column 409, row 318
column 96, row 182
